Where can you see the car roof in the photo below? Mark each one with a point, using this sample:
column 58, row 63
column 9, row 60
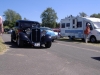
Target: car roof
column 44, row 27
column 27, row 21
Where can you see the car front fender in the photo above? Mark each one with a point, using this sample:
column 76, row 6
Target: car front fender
column 23, row 36
column 48, row 37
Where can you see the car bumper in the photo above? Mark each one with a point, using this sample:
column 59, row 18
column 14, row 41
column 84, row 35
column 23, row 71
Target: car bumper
column 30, row 43
column 54, row 37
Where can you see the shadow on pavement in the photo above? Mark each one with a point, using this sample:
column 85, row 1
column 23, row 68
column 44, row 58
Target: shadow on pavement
column 96, row 58
column 14, row 45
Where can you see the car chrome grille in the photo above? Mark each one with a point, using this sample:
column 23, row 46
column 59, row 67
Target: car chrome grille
column 36, row 34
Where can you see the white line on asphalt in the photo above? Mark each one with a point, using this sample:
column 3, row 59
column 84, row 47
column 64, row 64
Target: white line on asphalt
column 80, row 47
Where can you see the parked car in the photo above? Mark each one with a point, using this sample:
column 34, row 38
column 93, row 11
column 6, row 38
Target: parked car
column 54, row 35
column 6, row 30
column 28, row 32
column 10, row 31
column 57, row 30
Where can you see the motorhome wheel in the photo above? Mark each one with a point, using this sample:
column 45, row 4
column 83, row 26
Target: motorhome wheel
column 93, row 39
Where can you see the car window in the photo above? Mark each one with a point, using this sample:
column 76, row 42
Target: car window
column 28, row 24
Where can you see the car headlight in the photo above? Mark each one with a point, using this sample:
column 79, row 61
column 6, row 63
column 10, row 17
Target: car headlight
column 43, row 32
column 49, row 36
column 28, row 31
column 25, row 36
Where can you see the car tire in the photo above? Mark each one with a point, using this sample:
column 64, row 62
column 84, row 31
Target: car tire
column 48, row 44
column 20, row 42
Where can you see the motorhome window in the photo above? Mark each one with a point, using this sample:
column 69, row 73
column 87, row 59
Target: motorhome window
column 67, row 24
column 73, row 26
column 91, row 28
column 96, row 25
column 63, row 25
column 73, row 21
column 79, row 24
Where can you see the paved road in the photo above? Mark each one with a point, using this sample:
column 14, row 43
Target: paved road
column 63, row 58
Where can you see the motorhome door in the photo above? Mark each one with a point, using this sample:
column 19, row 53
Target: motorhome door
column 63, row 28
column 91, row 26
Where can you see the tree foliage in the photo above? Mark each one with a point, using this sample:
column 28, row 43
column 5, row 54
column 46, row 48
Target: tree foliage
column 82, row 14
column 57, row 25
column 95, row 15
column 49, row 17
column 11, row 17
column 25, row 18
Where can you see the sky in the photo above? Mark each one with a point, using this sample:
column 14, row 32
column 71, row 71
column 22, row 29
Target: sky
column 32, row 9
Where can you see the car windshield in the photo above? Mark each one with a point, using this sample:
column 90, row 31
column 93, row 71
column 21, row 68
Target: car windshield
column 96, row 24
column 28, row 24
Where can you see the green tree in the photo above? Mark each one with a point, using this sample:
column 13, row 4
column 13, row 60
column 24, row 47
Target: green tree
column 6, row 23
column 82, row 14
column 25, row 18
column 49, row 17
column 57, row 25
column 95, row 15
column 11, row 17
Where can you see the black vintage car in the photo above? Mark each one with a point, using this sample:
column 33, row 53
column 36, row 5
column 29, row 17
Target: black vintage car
column 28, row 32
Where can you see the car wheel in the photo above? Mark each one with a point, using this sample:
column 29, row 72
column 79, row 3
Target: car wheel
column 19, row 42
column 93, row 39
column 48, row 44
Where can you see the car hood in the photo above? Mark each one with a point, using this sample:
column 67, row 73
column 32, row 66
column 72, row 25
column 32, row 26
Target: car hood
column 56, row 33
column 52, row 33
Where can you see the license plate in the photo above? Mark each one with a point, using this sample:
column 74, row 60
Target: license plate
column 37, row 44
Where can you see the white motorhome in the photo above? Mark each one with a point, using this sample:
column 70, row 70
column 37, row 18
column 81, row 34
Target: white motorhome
column 73, row 27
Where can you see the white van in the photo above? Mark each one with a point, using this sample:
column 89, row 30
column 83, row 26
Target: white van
column 73, row 27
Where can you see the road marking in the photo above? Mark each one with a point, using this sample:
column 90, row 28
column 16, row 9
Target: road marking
column 80, row 47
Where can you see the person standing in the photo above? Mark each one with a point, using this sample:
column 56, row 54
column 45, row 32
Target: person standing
column 86, row 32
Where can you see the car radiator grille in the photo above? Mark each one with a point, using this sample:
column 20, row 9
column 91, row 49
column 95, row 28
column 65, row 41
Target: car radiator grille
column 36, row 34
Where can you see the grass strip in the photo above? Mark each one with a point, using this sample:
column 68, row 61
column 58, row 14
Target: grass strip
column 3, row 47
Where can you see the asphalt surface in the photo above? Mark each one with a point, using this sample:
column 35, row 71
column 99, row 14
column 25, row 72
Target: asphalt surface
column 63, row 58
